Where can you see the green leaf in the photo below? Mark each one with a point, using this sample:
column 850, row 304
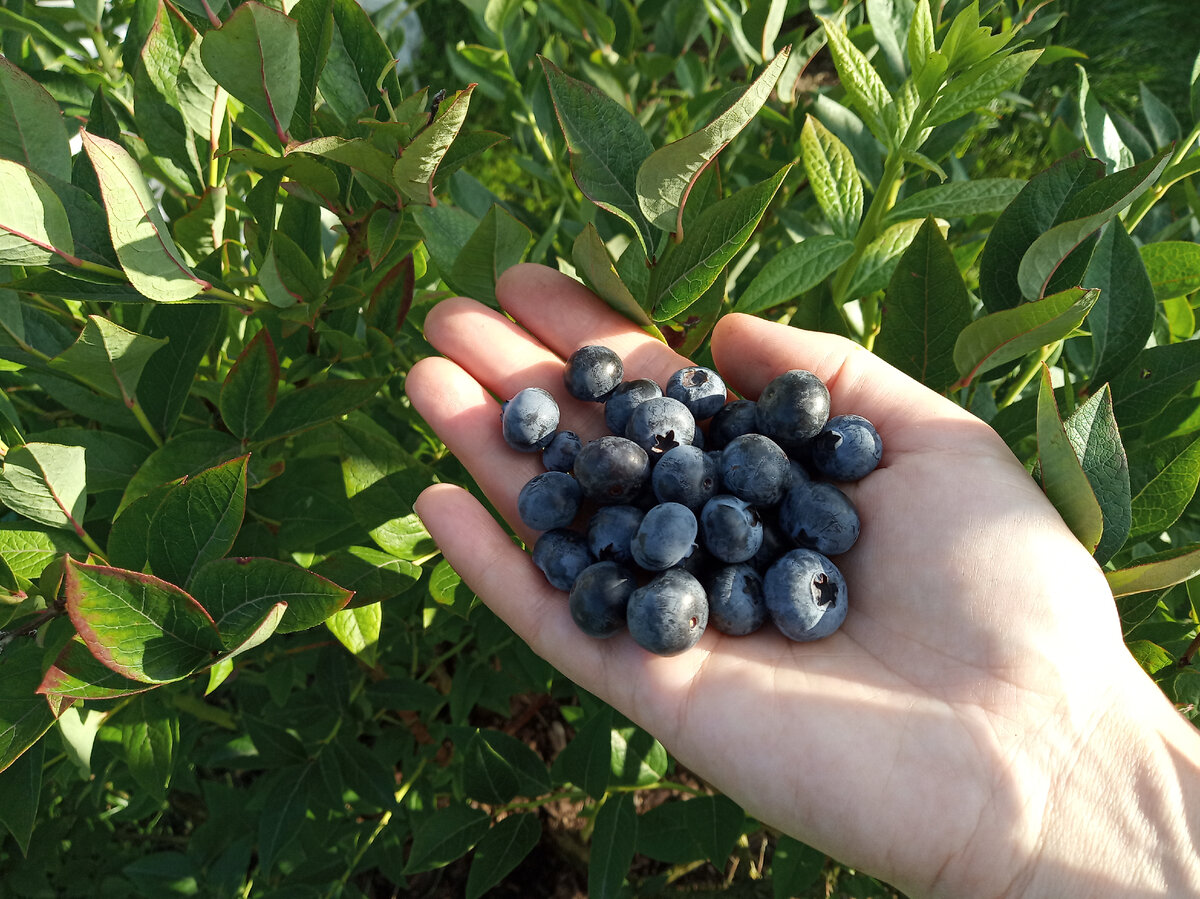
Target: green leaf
column 1093, row 433
column 501, row 849
column 446, row 588
column 32, row 131
column 359, row 68
column 682, row 831
column 314, row 30
column 445, row 835
column 587, row 760
column 1062, row 476
column 168, row 377
column 187, row 454
column 382, row 482
column 238, row 592
column 498, row 243
column 795, row 269
column 595, row 266
column 28, row 550
column 284, row 809
column 358, row 630
column 1150, row 656
column 24, row 715
column 890, row 24
column 689, row 268
column 383, row 230
column 921, row 42
column 1123, row 318
column 1157, row 572
column 607, row 147
column 1164, row 127
column 1008, row 335
column 667, row 175
column 374, row 576
column 109, row 358
column 110, row 460
column 358, row 153
column 197, row 521
column 1173, row 267
column 414, row 171
column 20, row 789
column 880, row 258
column 249, row 390
column 1159, row 503
column 957, row 199
column 149, row 735
column 981, row 84
column 1085, row 213
column 715, row 822
column 864, row 88
column 201, row 100
column 33, row 223
column 255, row 55
column 139, row 233
column 1100, row 134
column 1157, row 375
column 614, row 841
column 637, row 758
column 46, row 482
column 1035, row 210
column 306, row 407
column 833, row 177
column 795, row 867
column 487, row 774
column 925, row 309
column 139, row 626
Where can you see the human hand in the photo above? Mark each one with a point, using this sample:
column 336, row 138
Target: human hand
column 978, row 699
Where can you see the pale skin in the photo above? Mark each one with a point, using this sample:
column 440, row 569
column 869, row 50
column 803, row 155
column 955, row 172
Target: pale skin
column 977, row 726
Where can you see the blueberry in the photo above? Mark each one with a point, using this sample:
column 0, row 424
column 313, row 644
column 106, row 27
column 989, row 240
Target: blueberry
column 610, row 531
column 805, row 595
column 818, row 516
column 592, row 373
column 560, row 452
column 666, row 536
column 660, row 424
column 754, row 468
column 529, row 419
column 774, row 544
column 733, row 420
column 612, row 470
column 669, row 614
column 620, row 405
column 731, row 529
column 700, row 389
column 549, row 500
column 685, row 475
column 735, row 600
column 793, row 408
column 846, row 449
column 599, row 597
column 561, row 555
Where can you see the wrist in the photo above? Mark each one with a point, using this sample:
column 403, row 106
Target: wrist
column 1116, row 819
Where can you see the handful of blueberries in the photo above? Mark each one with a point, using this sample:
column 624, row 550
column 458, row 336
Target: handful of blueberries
column 680, row 536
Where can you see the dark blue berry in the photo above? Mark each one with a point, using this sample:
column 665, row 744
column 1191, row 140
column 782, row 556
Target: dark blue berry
column 599, row 598
column 793, row 408
column 666, row 536
column 620, row 405
column 669, row 614
column 730, row 528
column 818, row 516
column 732, row 420
column 610, row 532
column 735, row 599
column 685, row 475
column 756, row 469
column 592, row 373
column 660, row 424
column 529, row 420
column 612, row 470
column 561, row 555
column 846, row 449
column 700, row 389
column 549, row 500
column 560, row 452
column 805, row 595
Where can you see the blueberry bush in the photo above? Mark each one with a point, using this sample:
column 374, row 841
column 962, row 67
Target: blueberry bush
column 232, row 662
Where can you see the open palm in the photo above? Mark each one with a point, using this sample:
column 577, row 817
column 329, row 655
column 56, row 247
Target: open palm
column 925, row 740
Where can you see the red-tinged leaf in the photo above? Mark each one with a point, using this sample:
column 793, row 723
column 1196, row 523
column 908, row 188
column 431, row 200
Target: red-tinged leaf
column 34, row 226
column 140, row 235
column 255, row 55
column 46, row 482
column 237, row 592
column 414, row 171
column 138, row 625
column 198, row 521
column 32, row 131
column 76, row 674
column 249, row 391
